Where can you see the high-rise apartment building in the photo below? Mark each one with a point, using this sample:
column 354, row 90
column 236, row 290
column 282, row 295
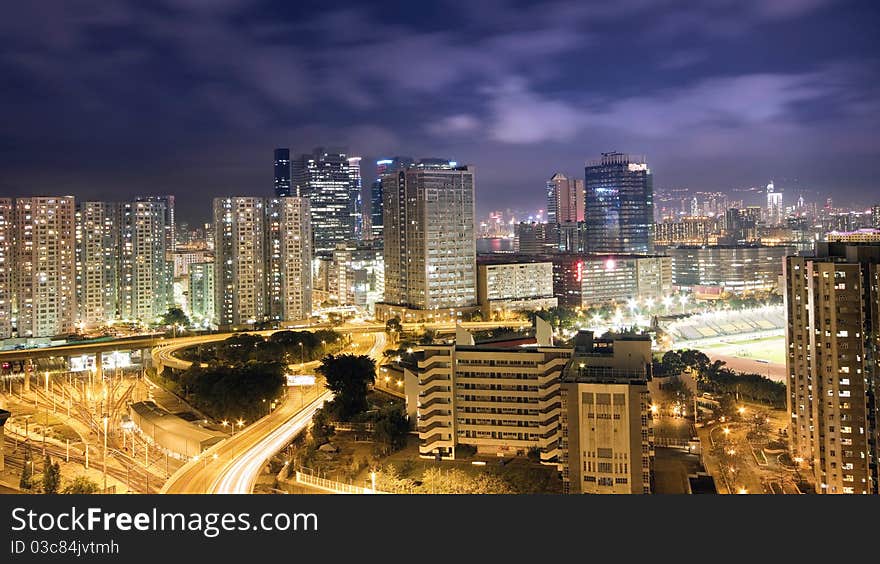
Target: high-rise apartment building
column 282, row 172
column 832, row 303
column 331, row 180
column 97, row 262
column 619, row 205
column 240, row 260
column 45, row 266
column 201, row 293
column 145, row 275
column 430, row 249
column 295, row 246
column 7, row 227
column 565, row 199
column 606, row 444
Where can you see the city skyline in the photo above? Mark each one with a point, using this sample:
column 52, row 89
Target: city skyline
column 517, row 90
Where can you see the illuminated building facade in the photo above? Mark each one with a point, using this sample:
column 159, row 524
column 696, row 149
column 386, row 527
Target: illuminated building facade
column 514, row 283
column 734, row 268
column 832, row 307
column 97, row 262
column 7, row 226
column 619, row 205
column 585, row 280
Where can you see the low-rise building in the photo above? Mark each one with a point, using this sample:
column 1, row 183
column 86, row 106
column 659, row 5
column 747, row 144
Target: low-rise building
column 515, row 283
column 734, row 268
column 584, row 280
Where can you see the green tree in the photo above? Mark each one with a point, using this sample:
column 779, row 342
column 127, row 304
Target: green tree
column 393, row 325
column 175, row 316
column 322, row 428
column 51, row 476
column 81, row 485
column 390, row 429
column 26, row 482
column 348, row 376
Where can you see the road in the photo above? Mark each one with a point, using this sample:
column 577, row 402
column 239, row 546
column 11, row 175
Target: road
column 233, row 465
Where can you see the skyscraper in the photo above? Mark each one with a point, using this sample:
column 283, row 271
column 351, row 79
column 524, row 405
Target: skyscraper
column 145, row 275
column 430, row 250
column 565, row 199
column 331, row 180
column 6, row 267
column 295, row 260
column 619, row 205
column 201, row 293
column 775, row 212
column 383, row 166
column 45, row 262
column 240, row 260
column 97, row 262
column 282, row 172
column 832, row 306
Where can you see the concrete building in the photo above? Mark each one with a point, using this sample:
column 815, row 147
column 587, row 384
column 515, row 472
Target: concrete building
column 282, row 172
column 686, row 231
column 565, row 199
column 7, row 272
column 97, row 262
column 733, row 268
column 183, row 258
column 45, row 266
column 430, row 250
column 201, row 293
column 240, row 262
column 606, row 444
column 358, row 276
column 514, row 283
column 145, row 282
column 859, row 236
column 295, row 244
column 536, row 238
column 832, row 306
column 383, row 167
column 584, row 280
column 499, row 400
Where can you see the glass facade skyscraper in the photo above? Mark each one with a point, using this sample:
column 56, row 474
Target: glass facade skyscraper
column 282, row 172
column 331, row 180
column 383, row 166
column 619, row 205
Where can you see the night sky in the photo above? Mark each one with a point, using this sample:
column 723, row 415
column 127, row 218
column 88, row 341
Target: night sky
column 105, row 100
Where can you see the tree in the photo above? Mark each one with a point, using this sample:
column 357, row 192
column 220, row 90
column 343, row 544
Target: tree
column 51, row 476
column 391, row 429
column 393, row 325
column 174, row 317
column 81, row 485
column 348, row 376
column 26, row 483
column 322, row 429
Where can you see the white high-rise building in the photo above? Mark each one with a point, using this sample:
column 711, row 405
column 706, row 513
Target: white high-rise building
column 45, row 262
column 144, row 285
column 97, row 266
column 295, row 248
column 430, row 250
column 240, row 260
column 775, row 211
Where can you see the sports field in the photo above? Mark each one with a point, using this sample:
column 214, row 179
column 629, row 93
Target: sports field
column 770, row 349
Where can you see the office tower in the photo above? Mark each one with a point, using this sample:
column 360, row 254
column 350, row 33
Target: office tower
column 619, row 205
column 832, row 306
column 688, row 231
column 565, row 199
column 606, row 444
column 383, row 166
column 430, row 250
column 145, row 275
column 240, row 259
column 295, row 245
column 45, row 266
column 775, row 211
column 282, row 172
column 454, row 396
column 6, row 267
column 875, row 216
column 201, row 293
column 97, row 262
column 331, row 180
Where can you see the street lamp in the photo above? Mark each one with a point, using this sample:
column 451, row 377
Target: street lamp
column 106, row 420
column 302, row 356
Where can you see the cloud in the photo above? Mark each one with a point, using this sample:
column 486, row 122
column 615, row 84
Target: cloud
column 454, row 125
column 523, row 116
